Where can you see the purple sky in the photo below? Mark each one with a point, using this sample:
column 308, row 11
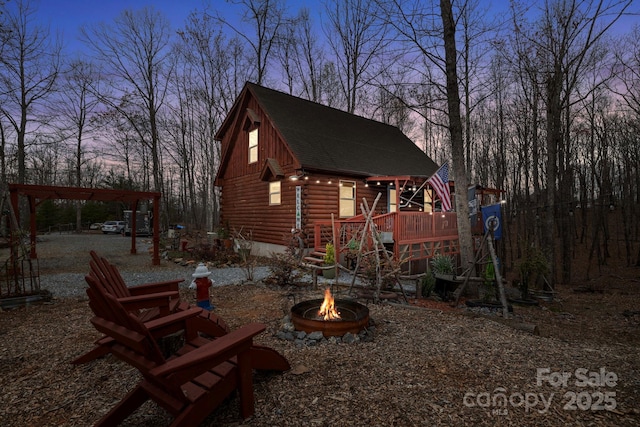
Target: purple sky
column 67, row 16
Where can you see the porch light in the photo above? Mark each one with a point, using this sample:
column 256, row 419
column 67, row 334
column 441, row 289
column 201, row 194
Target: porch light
column 298, row 176
column 317, row 181
column 329, row 181
column 413, row 188
column 366, row 183
column 378, row 183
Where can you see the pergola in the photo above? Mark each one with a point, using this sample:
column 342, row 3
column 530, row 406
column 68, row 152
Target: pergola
column 38, row 193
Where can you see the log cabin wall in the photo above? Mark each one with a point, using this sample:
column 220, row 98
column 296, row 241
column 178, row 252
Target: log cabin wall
column 320, row 199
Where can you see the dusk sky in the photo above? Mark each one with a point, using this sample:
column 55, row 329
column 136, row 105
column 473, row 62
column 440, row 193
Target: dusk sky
column 67, row 16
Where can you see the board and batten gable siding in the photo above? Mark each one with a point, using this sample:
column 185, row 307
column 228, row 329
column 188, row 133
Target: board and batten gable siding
column 269, row 146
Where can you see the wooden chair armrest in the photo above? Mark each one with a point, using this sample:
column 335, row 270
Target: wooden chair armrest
column 198, row 361
column 172, row 323
column 160, row 300
column 146, row 288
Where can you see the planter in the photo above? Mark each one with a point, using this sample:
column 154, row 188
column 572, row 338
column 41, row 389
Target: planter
column 330, row 273
column 445, row 284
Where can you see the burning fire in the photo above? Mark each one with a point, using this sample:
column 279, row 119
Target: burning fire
column 328, row 308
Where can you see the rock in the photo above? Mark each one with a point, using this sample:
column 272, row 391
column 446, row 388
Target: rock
column 316, row 336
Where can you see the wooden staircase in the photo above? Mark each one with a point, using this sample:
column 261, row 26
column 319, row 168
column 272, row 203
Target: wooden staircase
column 315, row 258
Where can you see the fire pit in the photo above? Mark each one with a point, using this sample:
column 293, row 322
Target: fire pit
column 332, row 318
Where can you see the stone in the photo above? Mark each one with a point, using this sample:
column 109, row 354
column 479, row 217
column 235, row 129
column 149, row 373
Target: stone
column 316, row 336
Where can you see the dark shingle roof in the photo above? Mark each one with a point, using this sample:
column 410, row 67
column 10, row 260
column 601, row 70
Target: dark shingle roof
column 328, row 139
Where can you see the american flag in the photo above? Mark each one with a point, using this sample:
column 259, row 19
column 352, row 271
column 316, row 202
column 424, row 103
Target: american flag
column 440, row 182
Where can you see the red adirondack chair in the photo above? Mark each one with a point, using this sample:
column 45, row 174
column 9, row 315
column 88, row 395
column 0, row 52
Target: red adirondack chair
column 148, row 301
column 151, row 308
column 191, row 383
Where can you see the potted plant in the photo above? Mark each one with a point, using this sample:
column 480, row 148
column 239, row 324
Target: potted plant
column 329, row 259
column 443, row 271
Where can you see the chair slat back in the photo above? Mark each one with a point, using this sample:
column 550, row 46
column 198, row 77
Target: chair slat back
column 138, row 340
column 108, row 276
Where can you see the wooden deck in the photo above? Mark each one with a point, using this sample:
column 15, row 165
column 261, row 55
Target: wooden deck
column 413, row 235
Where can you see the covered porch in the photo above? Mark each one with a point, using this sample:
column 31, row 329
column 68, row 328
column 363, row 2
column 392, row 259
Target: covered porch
column 412, row 236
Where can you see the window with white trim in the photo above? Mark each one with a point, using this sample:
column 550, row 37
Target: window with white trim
column 347, row 199
column 274, row 193
column 253, row 145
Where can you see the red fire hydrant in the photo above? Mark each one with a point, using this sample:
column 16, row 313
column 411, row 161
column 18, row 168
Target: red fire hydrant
column 201, row 283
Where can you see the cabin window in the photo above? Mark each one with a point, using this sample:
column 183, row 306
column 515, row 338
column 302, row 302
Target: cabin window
column 253, row 145
column 274, row 193
column 393, row 207
column 347, row 199
column 428, row 200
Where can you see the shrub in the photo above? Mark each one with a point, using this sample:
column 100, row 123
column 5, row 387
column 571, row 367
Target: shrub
column 283, row 268
column 442, row 264
column 330, row 255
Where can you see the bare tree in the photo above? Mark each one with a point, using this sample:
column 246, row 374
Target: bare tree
column 563, row 37
column 75, row 110
column 266, row 17
column 430, row 36
column 210, row 73
column 29, row 64
column 358, row 40
column 135, row 51
column 455, row 129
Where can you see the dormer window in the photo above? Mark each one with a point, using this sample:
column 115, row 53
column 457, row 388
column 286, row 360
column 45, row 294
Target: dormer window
column 253, row 145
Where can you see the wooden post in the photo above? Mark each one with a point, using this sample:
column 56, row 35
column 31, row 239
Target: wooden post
column 496, row 268
column 336, row 251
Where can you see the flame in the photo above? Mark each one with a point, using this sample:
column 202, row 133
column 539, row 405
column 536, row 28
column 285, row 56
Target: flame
column 328, row 308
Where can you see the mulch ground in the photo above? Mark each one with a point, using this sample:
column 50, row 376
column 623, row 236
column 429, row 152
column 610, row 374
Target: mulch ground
column 429, row 364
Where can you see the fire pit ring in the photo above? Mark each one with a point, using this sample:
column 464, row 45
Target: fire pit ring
column 354, row 317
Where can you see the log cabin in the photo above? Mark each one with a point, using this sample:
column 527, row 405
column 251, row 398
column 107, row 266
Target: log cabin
column 292, row 165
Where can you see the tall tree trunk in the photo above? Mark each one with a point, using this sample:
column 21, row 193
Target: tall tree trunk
column 455, row 127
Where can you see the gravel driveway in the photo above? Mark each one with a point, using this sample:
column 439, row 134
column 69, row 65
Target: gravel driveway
column 63, row 261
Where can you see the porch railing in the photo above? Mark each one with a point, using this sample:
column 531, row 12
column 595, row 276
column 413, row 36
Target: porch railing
column 403, row 228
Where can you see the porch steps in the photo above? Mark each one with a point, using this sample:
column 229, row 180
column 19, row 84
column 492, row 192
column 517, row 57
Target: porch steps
column 315, row 257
